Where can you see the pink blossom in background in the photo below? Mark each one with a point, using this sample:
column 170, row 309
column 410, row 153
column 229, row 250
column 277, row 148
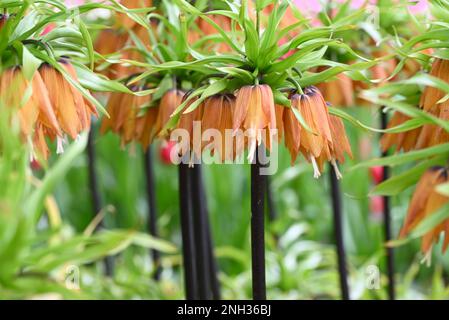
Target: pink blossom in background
column 47, row 29
column 74, row 3
column 376, row 206
column 312, row 7
column 420, row 7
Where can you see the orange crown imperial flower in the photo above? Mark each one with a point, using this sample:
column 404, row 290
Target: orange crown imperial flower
column 432, row 134
column 48, row 105
column 338, row 92
column 429, row 134
column 404, row 140
column 35, row 110
column 122, row 18
column 426, row 200
column 168, row 104
column 254, row 111
column 325, row 141
column 217, row 115
column 187, row 122
column 125, row 120
column 72, row 110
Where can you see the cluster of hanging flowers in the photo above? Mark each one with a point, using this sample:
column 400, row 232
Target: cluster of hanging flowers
column 48, row 105
column 426, row 200
column 432, row 101
column 325, row 140
column 248, row 109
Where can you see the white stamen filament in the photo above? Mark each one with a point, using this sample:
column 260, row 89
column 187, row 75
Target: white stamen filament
column 427, row 257
column 32, row 152
column 191, row 161
column 316, row 170
column 252, row 149
column 59, row 145
column 337, row 171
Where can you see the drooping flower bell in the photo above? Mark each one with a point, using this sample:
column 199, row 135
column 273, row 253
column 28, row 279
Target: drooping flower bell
column 338, row 92
column 48, row 105
column 317, row 143
column 404, row 140
column 340, row 145
column 432, row 134
column 254, row 113
column 429, row 134
column 292, row 130
column 325, row 141
column 145, row 125
column 30, row 98
column 125, row 119
column 168, row 104
column 217, row 115
column 72, row 110
column 426, row 200
column 108, row 42
column 34, row 109
column 207, row 30
column 187, row 122
column 122, row 19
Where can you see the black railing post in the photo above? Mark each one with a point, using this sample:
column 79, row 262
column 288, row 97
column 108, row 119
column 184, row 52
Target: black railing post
column 152, row 213
column 387, row 220
column 338, row 232
column 95, row 192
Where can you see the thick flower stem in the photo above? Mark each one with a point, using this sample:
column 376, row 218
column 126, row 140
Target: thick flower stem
column 95, row 192
column 199, row 234
column 152, row 214
column 272, row 213
column 257, row 229
column 387, row 221
column 190, row 283
column 338, row 232
column 211, row 262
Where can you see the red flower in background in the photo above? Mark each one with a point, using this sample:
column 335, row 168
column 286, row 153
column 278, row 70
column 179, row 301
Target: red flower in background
column 47, row 29
column 35, row 165
column 377, row 174
column 165, row 151
column 377, row 203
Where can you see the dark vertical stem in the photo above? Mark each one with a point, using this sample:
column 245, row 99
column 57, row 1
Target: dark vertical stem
column 211, row 262
column 152, row 214
column 338, row 231
column 95, row 192
column 272, row 214
column 188, row 256
column 257, row 229
column 199, row 234
column 387, row 221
